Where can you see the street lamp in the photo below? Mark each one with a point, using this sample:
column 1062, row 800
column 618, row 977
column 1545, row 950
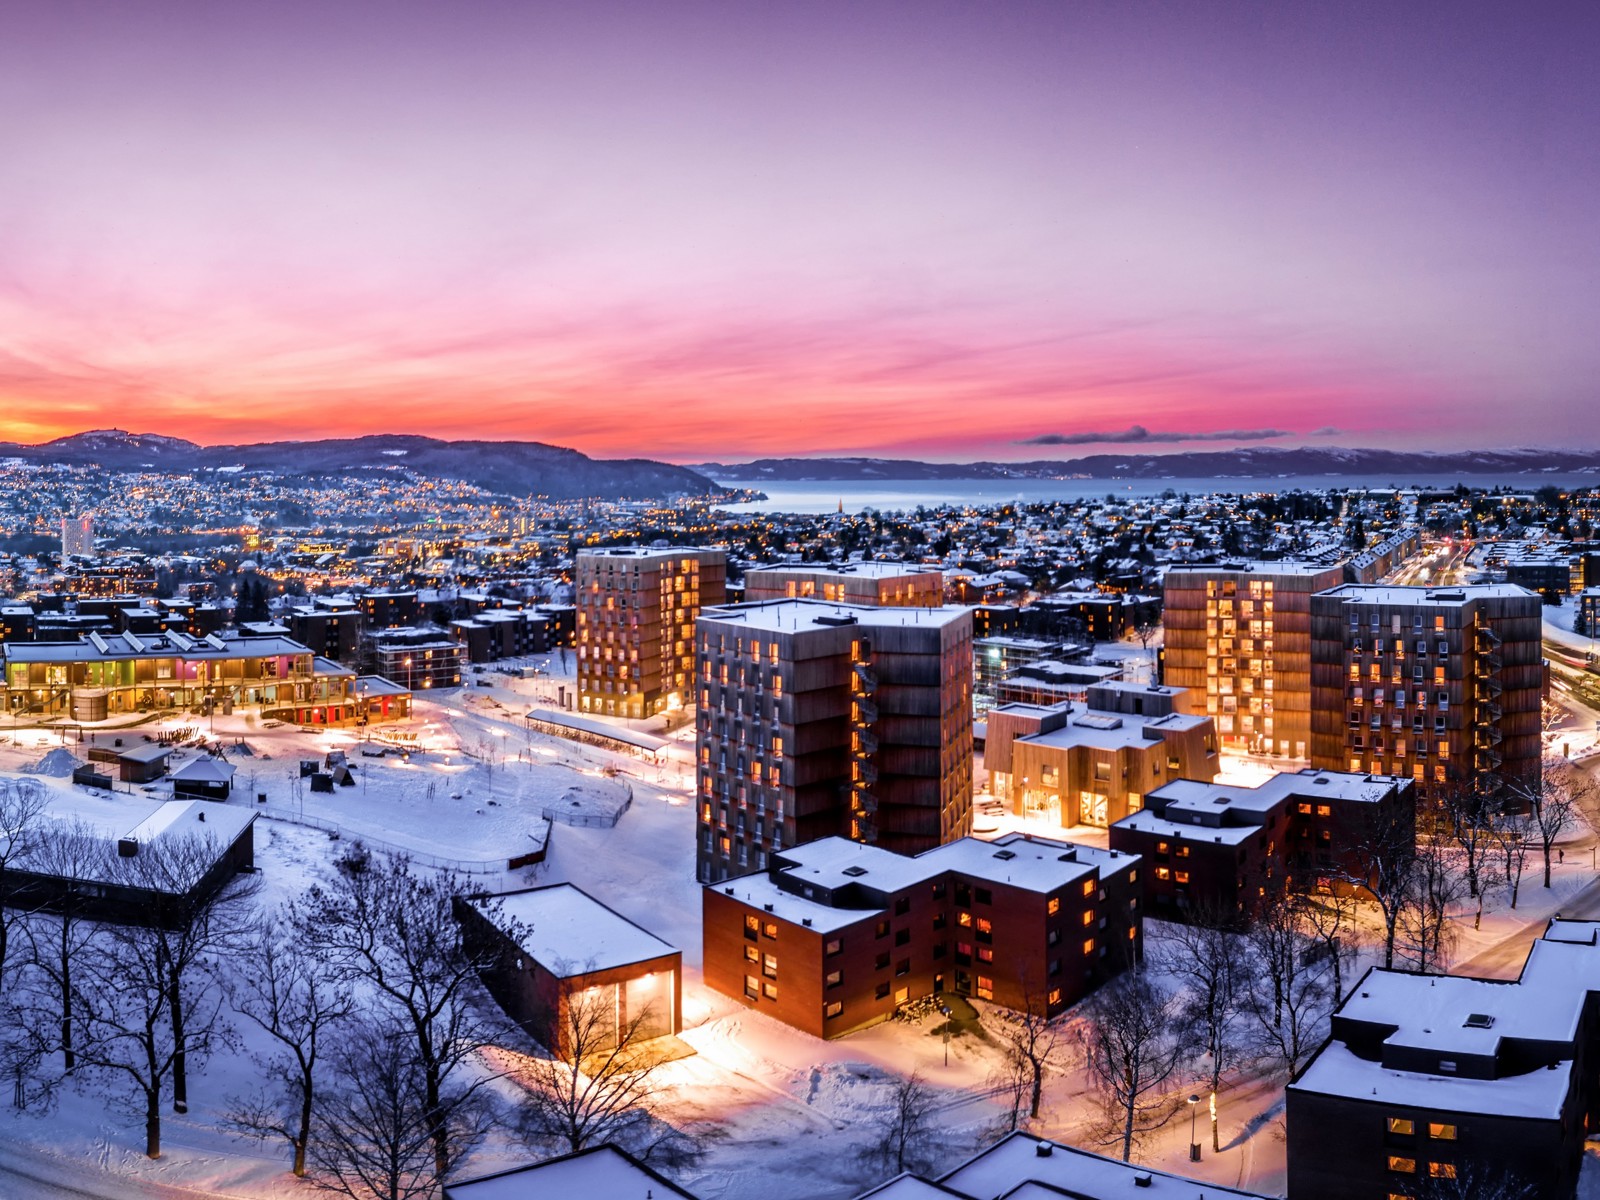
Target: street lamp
column 1194, row 1146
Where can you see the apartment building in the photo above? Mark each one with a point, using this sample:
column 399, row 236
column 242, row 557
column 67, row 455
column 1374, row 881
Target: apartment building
column 996, row 659
column 1218, row 852
column 817, row 720
column 1487, row 1086
column 417, row 659
column 877, row 584
column 1094, row 765
column 836, row 935
column 635, row 626
column 1439, row 684
column 1240, row 635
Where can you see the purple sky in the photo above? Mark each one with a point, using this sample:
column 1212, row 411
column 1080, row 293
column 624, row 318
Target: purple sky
column 694, row 230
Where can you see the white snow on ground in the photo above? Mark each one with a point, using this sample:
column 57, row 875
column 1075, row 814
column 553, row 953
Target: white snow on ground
column 789, row 1114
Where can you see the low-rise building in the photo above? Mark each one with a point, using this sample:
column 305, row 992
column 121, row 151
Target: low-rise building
column 837, row 935
column 1217, row 852
column 555, row 947
column 1094, row 765
column 1488, row 1084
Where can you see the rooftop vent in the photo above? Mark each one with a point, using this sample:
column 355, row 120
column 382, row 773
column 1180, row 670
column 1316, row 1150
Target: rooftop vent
column 835, row 619
column 1478, row 1021
column 806, row 921
column 1143, row 1180
column 1043, row 1149
column 768, row 907
column 1322, row 779
column 855, row 871
column 1005, row 855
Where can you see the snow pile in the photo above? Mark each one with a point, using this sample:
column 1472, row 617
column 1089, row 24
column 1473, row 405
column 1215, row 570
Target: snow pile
column 58, row 763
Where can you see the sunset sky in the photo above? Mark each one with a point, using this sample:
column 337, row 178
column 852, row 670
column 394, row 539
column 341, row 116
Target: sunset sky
column 694, row 230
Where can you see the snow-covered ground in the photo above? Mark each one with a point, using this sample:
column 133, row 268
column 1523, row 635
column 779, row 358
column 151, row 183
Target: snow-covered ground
column 789, row 1115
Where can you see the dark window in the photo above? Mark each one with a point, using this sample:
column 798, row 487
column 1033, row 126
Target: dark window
column 903, row 967
column 902, row 906
column 984, row 896
column 902, row 937
column 881, row 962
column 881, row 992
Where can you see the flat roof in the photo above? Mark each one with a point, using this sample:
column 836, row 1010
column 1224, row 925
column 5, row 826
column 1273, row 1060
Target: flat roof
column 833, row 862
column 569, row 932
column 1337, row 1071
column 599, row 1173
column 1035, row 864
column 759, row 891
column 1146, row 821
column 875, row 569
column 1436, row 597
column 1112, row 730
column 791, row 616
column 1014, row 1167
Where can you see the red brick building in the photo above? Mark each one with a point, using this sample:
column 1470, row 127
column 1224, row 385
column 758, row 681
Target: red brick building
column 1221, row 850
column 551, row 944
column 837, row 935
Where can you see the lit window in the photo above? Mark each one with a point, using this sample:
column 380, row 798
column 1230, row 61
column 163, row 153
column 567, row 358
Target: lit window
column 1401, row 1125
column 1442, row 1170
column 1402, row 1164
column 1443, row 1133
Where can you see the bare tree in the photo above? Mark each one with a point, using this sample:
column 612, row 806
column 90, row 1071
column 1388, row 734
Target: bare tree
column 287, row 994
column 1132, row 1044
column 905, row 1129
column 1467, row 812
column 594, row 1085
column 22, row 804
column 396, row 931
column 126, row 1012
column 195, row 920
column 76, row 860
column 1387, row 849
column 1033, row 1044
column 1292, row 1023
column 1328, row 919
column 376, row 1126
column 1437, row 883
column 1553, row 795
column 1513, row 830
column 1207, row 962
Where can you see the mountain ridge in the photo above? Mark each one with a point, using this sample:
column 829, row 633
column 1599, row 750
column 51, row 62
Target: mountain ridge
column 507, row 467
column 1248, row 462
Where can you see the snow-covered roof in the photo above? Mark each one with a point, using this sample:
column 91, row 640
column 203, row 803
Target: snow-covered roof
column 1114, row 731
column 1146, row 821
column 1433, row 597
column 599, row 1173
column 790, row 616
column 569, row 932
column 1337, row 1071
column 1015, row 1167
column 598, row 728
column 205, row 769
column 833, row 862
column 759, row 891
column 875, row 569
column 1035, row 864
